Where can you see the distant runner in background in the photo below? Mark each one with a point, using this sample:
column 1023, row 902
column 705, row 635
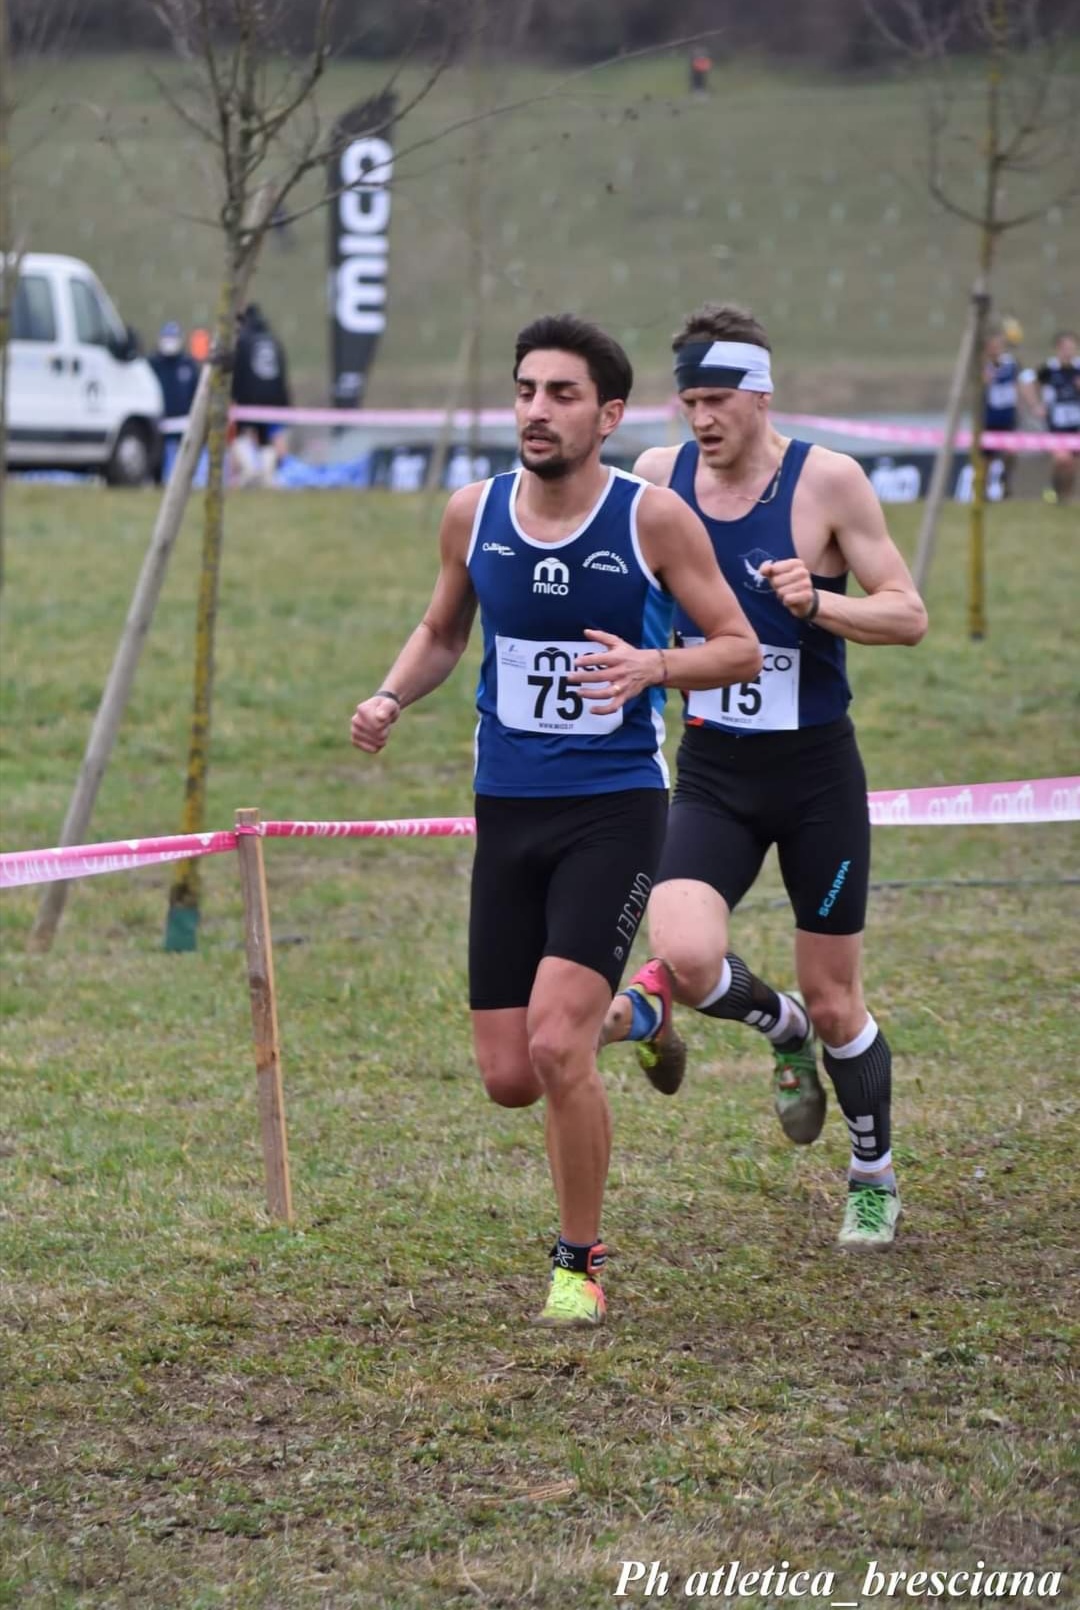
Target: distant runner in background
column 1001, row 394
column 1052, row 392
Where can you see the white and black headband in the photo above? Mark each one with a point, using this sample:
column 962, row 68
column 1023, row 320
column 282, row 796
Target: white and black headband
column 722, row 365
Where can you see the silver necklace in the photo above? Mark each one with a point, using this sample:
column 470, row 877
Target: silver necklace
column 771, row 488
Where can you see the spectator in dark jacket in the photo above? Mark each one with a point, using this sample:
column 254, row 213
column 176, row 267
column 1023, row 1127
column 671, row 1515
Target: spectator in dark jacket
column 260, row 380
column 178, row 377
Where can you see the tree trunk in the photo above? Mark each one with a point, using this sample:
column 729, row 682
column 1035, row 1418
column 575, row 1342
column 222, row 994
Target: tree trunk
column 935, row 493
column 999, row 40
column 9, row 270
column 181, row 925
column 125, row 662
column 476, row 222
column 9, row 278
column 977, row 513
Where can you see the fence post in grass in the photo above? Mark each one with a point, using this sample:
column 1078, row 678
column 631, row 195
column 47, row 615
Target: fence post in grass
column 260, row 963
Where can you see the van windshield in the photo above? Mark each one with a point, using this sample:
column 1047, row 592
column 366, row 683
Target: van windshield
column 92, row 324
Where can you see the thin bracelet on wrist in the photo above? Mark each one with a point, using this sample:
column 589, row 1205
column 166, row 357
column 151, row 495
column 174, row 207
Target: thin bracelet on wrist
column 815, row 605
column 387, row 693
column 663, row 668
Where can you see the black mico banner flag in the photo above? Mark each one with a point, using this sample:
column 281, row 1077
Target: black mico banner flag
column 358, row 187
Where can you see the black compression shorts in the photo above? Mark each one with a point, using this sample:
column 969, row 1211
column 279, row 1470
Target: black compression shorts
column 558, row 877
column 803, row 791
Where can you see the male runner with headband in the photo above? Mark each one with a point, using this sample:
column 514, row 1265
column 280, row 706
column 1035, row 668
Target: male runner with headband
column 774, row 760
column 574, row 567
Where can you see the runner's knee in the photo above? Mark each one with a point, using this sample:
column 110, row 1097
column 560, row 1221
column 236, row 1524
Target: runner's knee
column 697, row 967
column 837, row 1011
column 559, row 1055
column 688, row 928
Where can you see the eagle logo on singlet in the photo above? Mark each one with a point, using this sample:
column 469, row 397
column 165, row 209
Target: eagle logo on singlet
column 754, row 581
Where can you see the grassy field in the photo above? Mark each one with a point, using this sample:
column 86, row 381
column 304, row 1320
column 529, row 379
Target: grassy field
column 200, row 1409
column 619, row 197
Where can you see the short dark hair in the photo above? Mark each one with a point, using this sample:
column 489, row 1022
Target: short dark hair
column 1066, row 335
column 721, row 321
column 609, row 368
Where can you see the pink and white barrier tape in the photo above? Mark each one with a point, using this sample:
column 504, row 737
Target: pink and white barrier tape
column 84, row 860
column 1039, row 799
column 930, row 436
column 1012, row 441
column 403, row 419
column 408, row 827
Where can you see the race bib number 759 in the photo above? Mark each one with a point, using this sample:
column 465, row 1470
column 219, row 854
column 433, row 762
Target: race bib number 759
column 535, row 693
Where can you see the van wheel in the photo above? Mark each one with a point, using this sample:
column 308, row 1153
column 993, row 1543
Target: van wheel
column 131, row 463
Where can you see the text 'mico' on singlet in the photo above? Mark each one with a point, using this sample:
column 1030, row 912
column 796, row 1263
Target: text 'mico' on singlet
column 537, row 736
column 803, row 680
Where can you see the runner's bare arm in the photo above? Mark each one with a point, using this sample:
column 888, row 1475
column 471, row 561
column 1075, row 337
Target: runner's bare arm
column 891, row 611
column 435, row 647
column 676, row 548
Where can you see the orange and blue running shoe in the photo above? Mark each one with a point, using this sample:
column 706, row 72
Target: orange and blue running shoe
column 664, row 1056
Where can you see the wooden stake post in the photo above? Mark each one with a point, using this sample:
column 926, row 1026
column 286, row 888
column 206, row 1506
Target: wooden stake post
column 260, row 960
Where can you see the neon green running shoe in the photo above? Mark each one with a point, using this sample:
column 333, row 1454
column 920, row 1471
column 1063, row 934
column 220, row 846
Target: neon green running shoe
column 573, row 1299
column 664, row 1056
column 870, row 1216
column 798, row 1094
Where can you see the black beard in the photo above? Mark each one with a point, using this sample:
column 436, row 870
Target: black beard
column 548, row 469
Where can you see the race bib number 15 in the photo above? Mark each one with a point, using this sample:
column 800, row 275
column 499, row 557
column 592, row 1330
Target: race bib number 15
column 770, row 703
column 535, row 693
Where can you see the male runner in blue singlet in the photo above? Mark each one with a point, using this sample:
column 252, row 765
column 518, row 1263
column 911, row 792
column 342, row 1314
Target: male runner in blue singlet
column 774, row 760
column 1001, row 398
column 574, row 567
column 1052, row 392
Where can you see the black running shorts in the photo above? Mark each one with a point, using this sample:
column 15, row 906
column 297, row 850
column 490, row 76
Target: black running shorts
column 803, row 791
column 558, row 877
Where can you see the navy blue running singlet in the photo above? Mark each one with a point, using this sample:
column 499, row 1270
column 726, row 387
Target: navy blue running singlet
column 536, row 735
column 803, row 680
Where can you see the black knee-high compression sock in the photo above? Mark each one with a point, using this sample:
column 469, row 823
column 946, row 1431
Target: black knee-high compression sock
column 861, row 1072
column 740, row 997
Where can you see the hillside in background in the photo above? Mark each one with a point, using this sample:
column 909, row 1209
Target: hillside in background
column 619, row 196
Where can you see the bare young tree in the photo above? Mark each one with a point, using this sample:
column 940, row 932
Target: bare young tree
column 1027, row 157
column 33, row 35
column 251, row 97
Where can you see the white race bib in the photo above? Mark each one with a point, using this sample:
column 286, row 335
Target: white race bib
column 534, row 693
column 770, row 703
column 1064, row 415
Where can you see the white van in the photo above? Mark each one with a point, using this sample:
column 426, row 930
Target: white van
column 79, row 395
